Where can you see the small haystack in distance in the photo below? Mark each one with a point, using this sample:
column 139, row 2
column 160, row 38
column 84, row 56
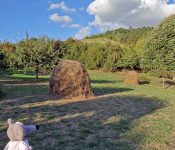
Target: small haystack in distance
column 70, row 79
column 132, row 77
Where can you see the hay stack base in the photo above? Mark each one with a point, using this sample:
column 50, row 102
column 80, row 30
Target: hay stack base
column 132, row 77
column 70, row 79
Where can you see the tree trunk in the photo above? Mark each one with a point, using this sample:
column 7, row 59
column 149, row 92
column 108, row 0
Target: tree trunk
column 37, row 71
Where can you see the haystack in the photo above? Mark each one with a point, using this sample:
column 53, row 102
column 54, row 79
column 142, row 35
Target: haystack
column 132, row 77
column 70, row 79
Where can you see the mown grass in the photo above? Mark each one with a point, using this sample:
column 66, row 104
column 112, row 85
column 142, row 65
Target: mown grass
column 120, row 117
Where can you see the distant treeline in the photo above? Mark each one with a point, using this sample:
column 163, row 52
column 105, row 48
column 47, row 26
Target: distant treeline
column 147, row 49
column 123, row 50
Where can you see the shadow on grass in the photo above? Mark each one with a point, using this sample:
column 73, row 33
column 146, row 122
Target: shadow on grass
column 10, row 79
column 144, row 82
column 99, row 123
column 109, row 90
column 22, row 80
column 169, row 83
column 103, row 81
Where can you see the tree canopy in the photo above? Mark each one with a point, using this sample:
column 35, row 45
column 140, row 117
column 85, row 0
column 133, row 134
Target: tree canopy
column 159, row 50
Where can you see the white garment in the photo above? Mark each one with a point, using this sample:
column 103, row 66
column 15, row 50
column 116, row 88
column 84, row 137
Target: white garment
column 18, row 145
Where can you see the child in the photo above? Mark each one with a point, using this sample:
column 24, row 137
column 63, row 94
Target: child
column 17, row 133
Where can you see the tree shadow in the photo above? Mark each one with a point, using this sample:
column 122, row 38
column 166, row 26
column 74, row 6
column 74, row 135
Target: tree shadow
column 99, row 123
column 144, row 82
column 108, row 90
column 23, row 93
column 103, row 81
column 22, row 80
column 169, row 83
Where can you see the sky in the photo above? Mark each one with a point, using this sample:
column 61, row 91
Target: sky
column 61, row 19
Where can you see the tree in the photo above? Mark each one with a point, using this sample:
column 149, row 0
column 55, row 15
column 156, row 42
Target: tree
column 7, row 55
column 129, row 59
column 38, row 54
column 77, row 51
column 96, row 56
column 66, row 45
column 113, row 56
column 159, row 51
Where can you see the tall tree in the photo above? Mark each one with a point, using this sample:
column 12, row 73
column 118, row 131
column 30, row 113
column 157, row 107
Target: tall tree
column 159, row 51
column 38, row 54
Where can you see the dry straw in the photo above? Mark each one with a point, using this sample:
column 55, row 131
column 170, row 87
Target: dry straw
column 70, row 79
column 132, row 77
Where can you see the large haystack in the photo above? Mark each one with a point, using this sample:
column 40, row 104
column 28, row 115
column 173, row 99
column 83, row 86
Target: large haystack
column 70, row 79
column 132, row 77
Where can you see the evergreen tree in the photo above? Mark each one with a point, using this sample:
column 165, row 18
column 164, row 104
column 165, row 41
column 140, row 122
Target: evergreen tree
column 159, row 51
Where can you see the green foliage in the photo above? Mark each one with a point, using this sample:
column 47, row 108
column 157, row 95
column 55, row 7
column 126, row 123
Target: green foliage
column 123, row 52
column 76, row 51
column 159, row 51
column 113, row 57
column 129, row 59
column 7, row 55
column 108, row 56
column 92, row 55
column 65, row 46
column 39, row 54
column 126, row 37
column 95, row 56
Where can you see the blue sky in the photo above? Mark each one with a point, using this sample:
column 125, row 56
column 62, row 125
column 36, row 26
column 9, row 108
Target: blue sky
column 171, row 1
column 19, row 16
column 61, row 19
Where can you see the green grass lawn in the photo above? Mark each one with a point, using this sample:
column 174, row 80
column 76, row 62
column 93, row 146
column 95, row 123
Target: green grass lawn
column 119, row 117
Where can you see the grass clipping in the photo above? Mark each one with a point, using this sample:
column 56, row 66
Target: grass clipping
column 132, row 77
column 70, row 79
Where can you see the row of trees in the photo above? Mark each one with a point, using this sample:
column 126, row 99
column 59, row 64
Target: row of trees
column 110, row 57
column 146, row 49
column 34, row 54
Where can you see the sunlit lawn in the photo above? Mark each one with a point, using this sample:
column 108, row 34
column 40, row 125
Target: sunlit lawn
column 119, row 117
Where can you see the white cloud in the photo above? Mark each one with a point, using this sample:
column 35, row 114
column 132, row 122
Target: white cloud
column 63, row 20
column 83, row 32
column 61, row 6
column 75, row 25
column 110, row 14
